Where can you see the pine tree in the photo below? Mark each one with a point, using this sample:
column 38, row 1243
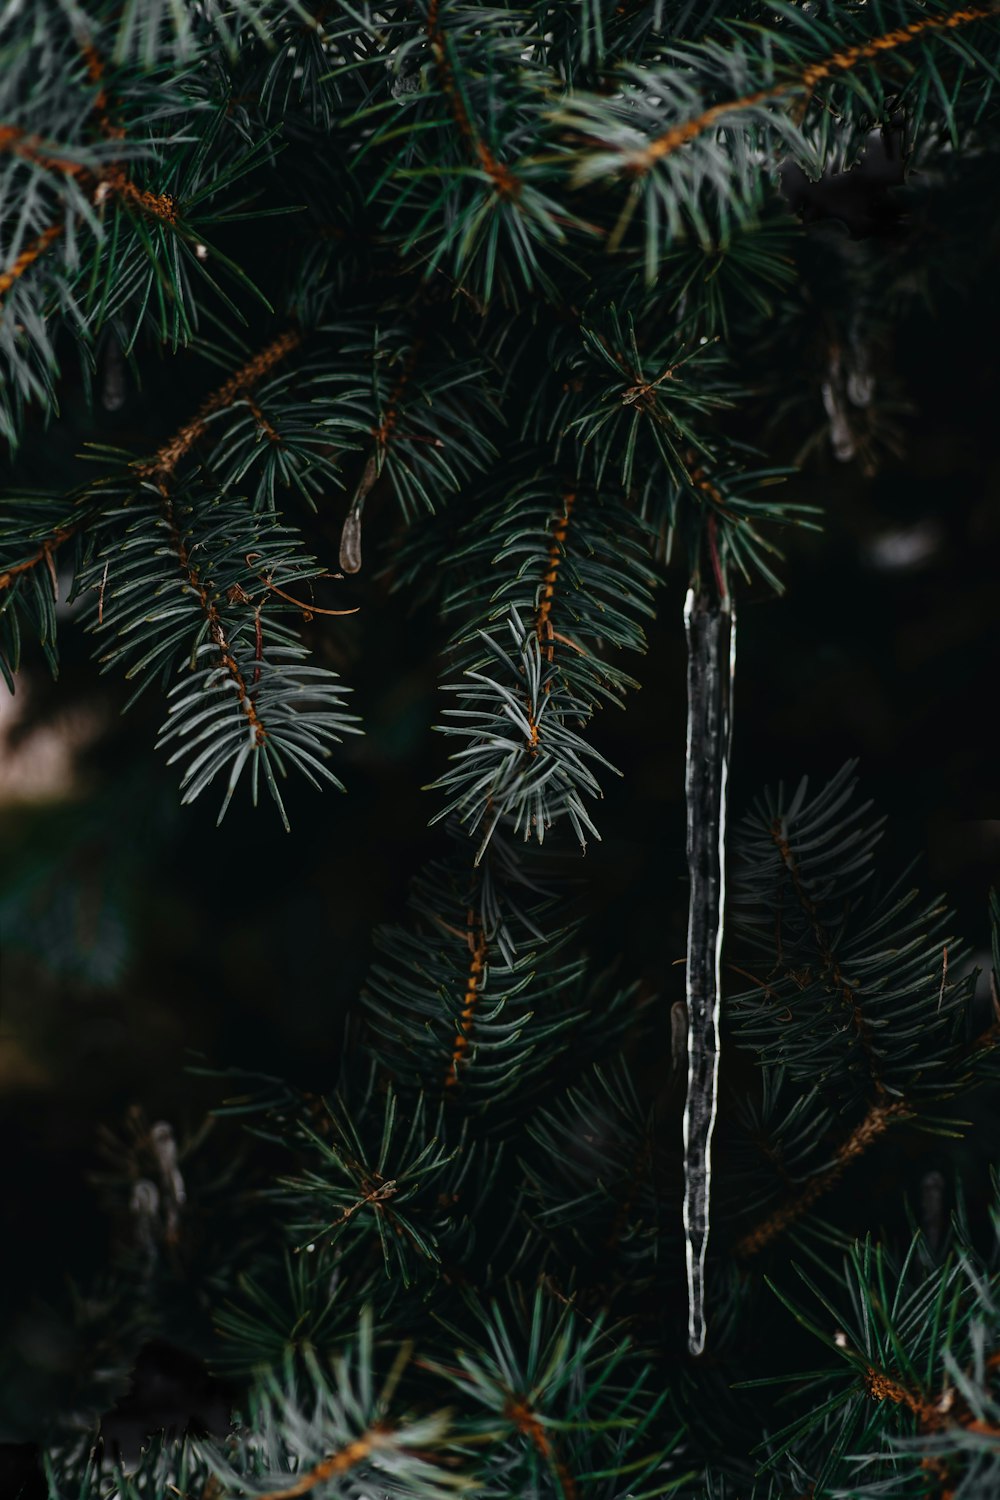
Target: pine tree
column 479, row 304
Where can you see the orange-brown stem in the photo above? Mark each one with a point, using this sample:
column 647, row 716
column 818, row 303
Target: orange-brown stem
column 701, row 481
column 29, row 147
column 167, row 457
column 384, row 431
column 161, row 468
column 875, row 1123
column 838, row 62
column 952, row 1412
column 506, row 183
column 543, row 616
column 267, row 428
column 28, row 256
column 387, row 427
column 157, row 205
column 526, row 1421
column 113, row 180
column 477, row 963
column 101, row 105
column 337, row 1463
column 43, row 555
column 215, row 625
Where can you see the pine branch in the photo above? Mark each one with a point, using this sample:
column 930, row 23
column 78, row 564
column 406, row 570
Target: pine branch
column 246, row 696
column 846, row 993
column 847, row 980
column 163, row 465
column 295, row 1304
column 32, row 530
column 701, row 173
column 564, row 1404
column 802, row 900
column 497, row 225
column 308, row 1428
column 417, row 400
column 27, row 257
column 43, row 555
column 349, row 1457
column 592, row 1173
column 909, row 1394
column 504, row 181
column 526, row 1421
column 455, row 1010
column 129, row 249
column 875, row 1123
column 526, row 764
column 470, row 1000
column 390, row 1177
column 835, row 64
column 148, row 31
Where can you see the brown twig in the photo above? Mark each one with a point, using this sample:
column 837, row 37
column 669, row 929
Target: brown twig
column 381, row 1192
column 28, row 256
column 308, row 610
column 162, row 467
column 526, row 1421
column 387, row 426
column 215, row 625
column 876, row 1122
column 699, row 478
column 838, row 62
column 101, row 105
column 113, row 179
column 163, row 463
column 476, row 939
column 43, row 555
column 269, row 430
column 947, row 1413
column 543, row 620
column 506, row 182
column 384, row 431
column 29, row 147
column 337, row 1463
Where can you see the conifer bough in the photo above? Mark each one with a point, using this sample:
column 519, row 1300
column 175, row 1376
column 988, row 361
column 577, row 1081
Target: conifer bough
column 501, row 285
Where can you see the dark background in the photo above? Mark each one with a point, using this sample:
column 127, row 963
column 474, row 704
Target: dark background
column 137, row 937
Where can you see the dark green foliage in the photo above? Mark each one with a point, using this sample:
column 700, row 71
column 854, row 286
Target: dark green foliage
column 851, row 982
column 300, row 1423
column 497, row 307
column 528, row 1242
column 240, row 690
column 293, row 1308
column 379, row 1170
column 916, row 1333
column 33, row 528
column 592, row 1171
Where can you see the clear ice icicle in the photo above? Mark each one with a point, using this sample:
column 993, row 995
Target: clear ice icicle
column 711, row 636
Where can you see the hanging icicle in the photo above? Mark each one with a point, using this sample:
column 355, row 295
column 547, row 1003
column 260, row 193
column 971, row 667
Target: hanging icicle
column 710, row 625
